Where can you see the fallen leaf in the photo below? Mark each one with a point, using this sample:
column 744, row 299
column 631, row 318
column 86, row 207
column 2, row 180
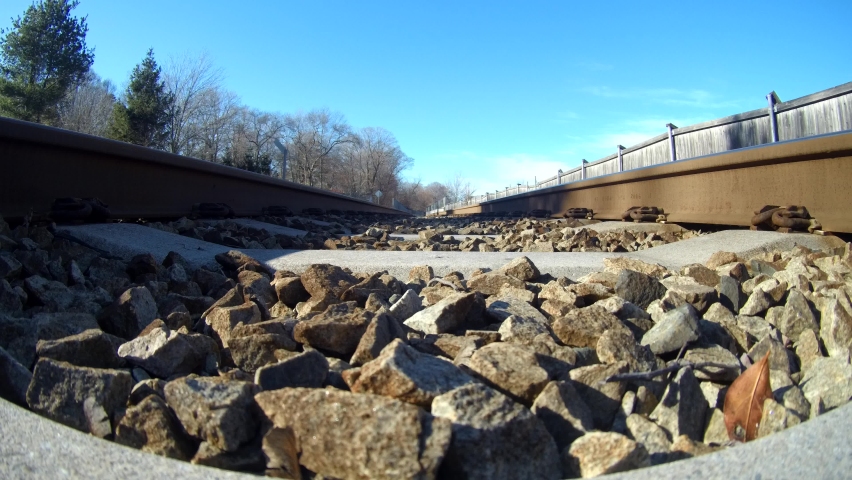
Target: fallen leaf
column 282, row 454
column 744, row 401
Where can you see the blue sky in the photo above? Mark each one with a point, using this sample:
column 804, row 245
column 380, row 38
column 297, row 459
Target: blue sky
column 497, row 92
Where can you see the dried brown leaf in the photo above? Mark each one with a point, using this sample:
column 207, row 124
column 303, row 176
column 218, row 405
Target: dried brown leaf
column 744, row 401
column 282, row 454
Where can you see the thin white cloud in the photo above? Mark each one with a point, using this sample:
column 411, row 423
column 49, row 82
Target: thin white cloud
column 487, row 174
column 695, row 98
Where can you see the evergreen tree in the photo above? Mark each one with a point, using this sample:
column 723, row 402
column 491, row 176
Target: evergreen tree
column 145, row 118
column 41, row 57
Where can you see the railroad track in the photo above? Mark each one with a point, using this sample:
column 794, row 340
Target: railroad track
column 720, row 189
column 40, row 164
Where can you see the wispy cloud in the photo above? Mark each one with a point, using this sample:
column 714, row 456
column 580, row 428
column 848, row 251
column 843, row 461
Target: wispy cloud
column 695, row 98
column 489, row 173
column 566, row 115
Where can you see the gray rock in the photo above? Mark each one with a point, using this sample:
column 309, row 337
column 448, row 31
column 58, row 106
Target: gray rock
column 165, row 353
column 152, row 427
column 757, row 303
column 731, row 294
column 145, row 388
column 405, row 374
column 553, row 291
column 521, row 268
column 682, row 408
column 338, row 329
column 616, row 345
column 501, row 307
column 215, row 410
column 638, row 288
column 59, row 391
column 686, row 289
column 251, row 352
column 715, row 354
column 797, row 316
column 828, row 381
column 445, row 316
column 290, row 290
column 775, row 418
column 714, row 393
column 53, row 326
column 421, row 273
column 836, row 327
column 14, row 379
column 108, row 274
column 11, row 301
column 718, row 313
column 603, row 398
column 779, row 357
column 651, row 436
column 327, row 282
column 623, row 309
column 583, row 327
column 50, row 293
column 521, row 330
column 130, row 313
column 259, row 285
column 563, row 413
column 376, row 437
column 380, row 332
column 92, row 348
column 308, row 369
column 282, row 453
column 494, row 437
column 409, row 304
column 512, row 369
column 445, row 345
column 701, row 274
column 675, row 328
column 600, row 453
column 715, row 432
column 377, row 285
column 224, row 319
column 794, row 400
column 9, row 267
column 755, row 328
column 808, row 349
column 247, row 458
column 18, row 337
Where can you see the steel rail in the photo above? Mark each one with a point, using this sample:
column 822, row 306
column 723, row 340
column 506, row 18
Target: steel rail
column 722, row 189
column 39, row 164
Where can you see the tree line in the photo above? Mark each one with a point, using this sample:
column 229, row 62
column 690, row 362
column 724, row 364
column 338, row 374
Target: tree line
column 182, row 107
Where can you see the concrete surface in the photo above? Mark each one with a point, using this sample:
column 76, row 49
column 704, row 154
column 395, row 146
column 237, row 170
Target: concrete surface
column 126, row 240
column 269, row 227
column 37, row 448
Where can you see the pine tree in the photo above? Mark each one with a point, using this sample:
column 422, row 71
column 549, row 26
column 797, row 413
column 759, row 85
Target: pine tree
column 145, row 118
column 41, row 57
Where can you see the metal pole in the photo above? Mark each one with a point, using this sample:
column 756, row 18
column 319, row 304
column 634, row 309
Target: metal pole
column 772, row 99
column 671, row 127
column 583, row 169
column 620, row 159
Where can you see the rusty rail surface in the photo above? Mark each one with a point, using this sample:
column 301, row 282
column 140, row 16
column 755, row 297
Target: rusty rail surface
column 722, row 189
column 39, row 164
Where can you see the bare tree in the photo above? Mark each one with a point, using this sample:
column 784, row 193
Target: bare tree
column 188, row 78
column 217, row 116
column 312, row 140
column 372, row 161
column 86, row 107
column 458, row 189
